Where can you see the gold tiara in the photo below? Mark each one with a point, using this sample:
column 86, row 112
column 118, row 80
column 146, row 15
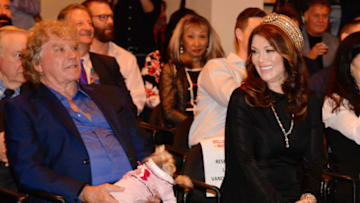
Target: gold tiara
column 287, row 25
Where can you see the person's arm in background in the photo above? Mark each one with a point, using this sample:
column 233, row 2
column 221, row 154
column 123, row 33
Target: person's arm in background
column 152, row 10
column 134, row 82
column 32, row 7
column 214, row 73
column 3, row 156
column 343, row 120
column 168, row 95
column 147, row 5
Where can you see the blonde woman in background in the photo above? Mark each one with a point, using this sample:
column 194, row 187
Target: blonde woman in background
column 192, row 44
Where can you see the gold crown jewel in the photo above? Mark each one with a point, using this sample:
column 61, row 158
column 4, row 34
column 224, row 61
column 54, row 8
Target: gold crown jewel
column 287, row 25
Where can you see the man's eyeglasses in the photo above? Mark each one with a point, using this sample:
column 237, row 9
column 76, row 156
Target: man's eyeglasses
column 104, row 17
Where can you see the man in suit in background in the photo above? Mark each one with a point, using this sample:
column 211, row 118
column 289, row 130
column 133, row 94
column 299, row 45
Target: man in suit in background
column 319, row 45
column 96, row 68
column 12, row 42
column 63, row 137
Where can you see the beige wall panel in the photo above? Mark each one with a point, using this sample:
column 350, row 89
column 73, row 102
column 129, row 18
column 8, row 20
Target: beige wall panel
column 223, row 16
column 51, row 8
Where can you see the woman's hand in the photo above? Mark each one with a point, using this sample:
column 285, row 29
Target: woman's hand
column 307, row 198
column 306, row 201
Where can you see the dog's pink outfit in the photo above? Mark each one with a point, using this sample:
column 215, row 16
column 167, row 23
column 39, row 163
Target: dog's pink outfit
column 146, row 181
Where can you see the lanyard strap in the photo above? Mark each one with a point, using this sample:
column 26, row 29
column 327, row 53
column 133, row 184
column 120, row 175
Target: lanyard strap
column 191, row 89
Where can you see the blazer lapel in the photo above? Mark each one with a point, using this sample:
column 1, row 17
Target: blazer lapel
column 98, row 67
column 328, row 58
column 306, row 47
column 58, row 109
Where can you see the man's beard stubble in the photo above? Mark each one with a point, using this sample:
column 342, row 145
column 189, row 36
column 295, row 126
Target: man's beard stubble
column 102, row 36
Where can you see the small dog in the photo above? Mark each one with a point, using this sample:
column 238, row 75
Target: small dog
column 153, row 178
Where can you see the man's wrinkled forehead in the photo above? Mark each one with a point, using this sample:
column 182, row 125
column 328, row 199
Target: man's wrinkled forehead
column 54, row 39
column 76, row 15
column 318, row 7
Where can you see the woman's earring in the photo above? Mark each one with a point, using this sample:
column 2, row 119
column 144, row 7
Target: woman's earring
column 181, row 49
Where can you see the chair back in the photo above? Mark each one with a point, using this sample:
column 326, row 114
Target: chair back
column 181, row 137
column 194, row 168
column 9, row 196
column 344, row 168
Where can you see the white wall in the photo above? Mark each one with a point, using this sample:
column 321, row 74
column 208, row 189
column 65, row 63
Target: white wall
column 224, row 15
column 51, row 8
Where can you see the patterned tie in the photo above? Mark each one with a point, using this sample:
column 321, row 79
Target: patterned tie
column 8, row 93
column 83, row 78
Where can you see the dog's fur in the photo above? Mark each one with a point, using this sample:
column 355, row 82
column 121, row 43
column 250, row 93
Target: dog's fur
column 165, row 161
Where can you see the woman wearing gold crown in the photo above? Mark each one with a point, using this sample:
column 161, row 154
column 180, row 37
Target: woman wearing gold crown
column 273, row 125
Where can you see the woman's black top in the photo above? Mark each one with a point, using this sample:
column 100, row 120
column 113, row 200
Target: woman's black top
column 258, row 166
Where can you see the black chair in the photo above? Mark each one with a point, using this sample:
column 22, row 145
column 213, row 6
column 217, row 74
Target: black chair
column 180, row 156
column 181, row 136
column 159, row 135
column 157, row 117
column 194, row 168
column 41, row 195
column 187, row 196
column 329, row 185
column 341, row 178
column 9, row 196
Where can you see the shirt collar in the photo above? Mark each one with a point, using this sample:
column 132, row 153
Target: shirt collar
column 3, row 88
column 111, row 49
column 86, row 58
column 62, row 98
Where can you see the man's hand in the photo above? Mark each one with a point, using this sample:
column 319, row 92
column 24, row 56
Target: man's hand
column 318, row 50
column 100, row 193
column 147, row 5
column 3, row 156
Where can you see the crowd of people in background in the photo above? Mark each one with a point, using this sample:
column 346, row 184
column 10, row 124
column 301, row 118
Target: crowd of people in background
column 285, row 104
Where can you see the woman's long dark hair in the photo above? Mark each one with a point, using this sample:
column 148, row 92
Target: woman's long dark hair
column 341, row 80
column 295, row 87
